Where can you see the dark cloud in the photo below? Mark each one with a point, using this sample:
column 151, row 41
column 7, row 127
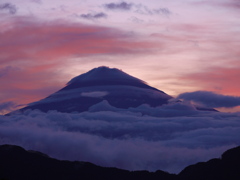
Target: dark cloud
column 169, row 137
column 10, row 7
column 93, row 16
column 119, row 6
column 210, row 99
column 138, row 8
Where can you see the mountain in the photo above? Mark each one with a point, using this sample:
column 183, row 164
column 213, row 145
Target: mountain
column 113, row 85
column 108, row 86
column 18, row 164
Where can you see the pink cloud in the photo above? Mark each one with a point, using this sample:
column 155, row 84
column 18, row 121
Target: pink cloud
column 31, row 40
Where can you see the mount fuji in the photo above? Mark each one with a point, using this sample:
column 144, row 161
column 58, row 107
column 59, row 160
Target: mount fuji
column 118, row 88
column 105, row 87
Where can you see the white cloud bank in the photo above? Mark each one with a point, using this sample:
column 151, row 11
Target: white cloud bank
column 167, row 138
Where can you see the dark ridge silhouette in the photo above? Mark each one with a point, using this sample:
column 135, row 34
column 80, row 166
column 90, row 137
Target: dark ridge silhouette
column 18, row 164
column 225, row 168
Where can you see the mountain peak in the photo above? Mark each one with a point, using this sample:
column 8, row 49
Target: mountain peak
column 106, row 75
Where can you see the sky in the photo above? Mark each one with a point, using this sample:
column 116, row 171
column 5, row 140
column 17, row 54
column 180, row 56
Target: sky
column 186, row 48
column 175, row 46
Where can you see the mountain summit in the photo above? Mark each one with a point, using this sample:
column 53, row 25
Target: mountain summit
column 118, row 88
column 105, row 76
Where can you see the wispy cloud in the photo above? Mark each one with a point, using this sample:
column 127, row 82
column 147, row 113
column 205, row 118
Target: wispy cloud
column 138, row 8
column 92, row 16
column 142, row 9
column 37, row 1
column 119, row 6
column 12, row 9
column 136, row 20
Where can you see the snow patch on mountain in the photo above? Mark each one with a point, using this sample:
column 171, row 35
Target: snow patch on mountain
column 95, row 94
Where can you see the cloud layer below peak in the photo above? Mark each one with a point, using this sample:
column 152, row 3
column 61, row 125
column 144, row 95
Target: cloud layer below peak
column 167, row 138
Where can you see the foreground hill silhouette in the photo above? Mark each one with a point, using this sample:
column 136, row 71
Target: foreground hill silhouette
column 19, row 164
column 226, row 168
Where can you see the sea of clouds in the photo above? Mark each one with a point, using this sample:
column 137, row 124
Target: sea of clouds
column 168, row 138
